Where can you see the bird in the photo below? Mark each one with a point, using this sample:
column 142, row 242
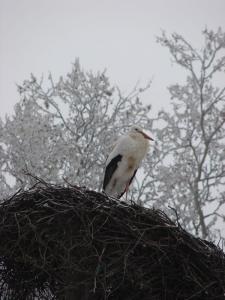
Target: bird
column 124, row 160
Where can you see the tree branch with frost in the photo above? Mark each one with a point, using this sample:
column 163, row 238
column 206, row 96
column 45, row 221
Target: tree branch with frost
column 63, row 129
column 194, row 132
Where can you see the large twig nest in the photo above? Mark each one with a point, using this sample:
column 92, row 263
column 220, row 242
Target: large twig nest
column 71, row 243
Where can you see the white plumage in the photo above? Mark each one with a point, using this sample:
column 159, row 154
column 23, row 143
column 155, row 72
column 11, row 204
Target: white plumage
column 124, row 160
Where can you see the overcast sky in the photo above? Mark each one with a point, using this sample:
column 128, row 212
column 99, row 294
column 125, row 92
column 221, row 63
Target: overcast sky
column 39, row 36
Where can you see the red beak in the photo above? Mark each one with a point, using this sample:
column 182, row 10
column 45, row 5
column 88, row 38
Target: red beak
column 147, row 136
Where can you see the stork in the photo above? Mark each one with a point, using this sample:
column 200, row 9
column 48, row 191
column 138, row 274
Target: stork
column 124, row 160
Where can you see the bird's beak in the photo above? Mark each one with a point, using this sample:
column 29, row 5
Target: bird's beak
column 147, row 136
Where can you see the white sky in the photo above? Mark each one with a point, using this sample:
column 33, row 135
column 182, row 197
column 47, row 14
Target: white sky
column 39, row 36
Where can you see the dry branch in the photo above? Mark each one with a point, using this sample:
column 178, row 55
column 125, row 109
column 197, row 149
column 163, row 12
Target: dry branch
column 72, row 243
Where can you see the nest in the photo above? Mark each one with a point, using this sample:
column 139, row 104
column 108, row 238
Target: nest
column 72, row 243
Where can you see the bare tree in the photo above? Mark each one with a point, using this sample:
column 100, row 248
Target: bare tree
column 64, row 130
column 190, row 171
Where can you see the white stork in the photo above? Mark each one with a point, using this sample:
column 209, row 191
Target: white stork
column 124, row 160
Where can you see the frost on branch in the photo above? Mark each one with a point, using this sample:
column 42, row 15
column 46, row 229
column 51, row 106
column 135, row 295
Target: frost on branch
column 191, row 172
column 72, row 243
column 65, row 128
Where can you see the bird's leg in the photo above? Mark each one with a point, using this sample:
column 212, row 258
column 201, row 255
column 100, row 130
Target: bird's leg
column 126, row 189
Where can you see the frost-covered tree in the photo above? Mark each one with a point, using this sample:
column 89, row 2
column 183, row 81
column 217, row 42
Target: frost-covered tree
column 4, row 185
column 190, row 173
column 63, row 130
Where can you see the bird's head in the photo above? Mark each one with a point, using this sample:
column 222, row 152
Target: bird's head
column 137, row 131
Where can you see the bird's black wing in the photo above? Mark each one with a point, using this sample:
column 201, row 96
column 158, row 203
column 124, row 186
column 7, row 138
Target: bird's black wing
column 129, row 182
column 110, row 169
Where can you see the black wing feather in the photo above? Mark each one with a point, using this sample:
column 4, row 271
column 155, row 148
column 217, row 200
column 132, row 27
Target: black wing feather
column 129, row 182
column 110, row 169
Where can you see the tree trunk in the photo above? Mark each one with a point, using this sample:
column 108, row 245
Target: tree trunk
column 200, row 213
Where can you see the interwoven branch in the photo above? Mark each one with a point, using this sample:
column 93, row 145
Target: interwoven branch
column 72, row 243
